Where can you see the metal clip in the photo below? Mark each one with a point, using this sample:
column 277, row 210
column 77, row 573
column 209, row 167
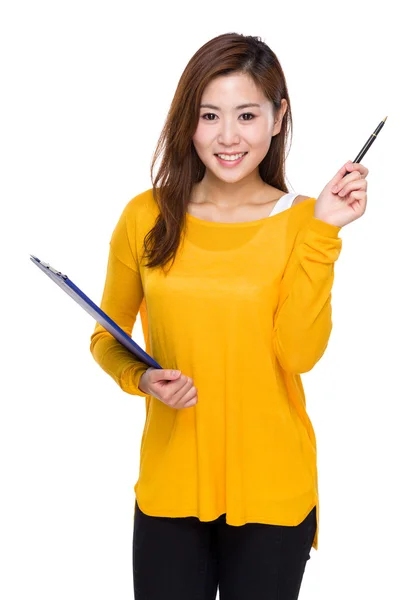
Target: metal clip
column 55, row 271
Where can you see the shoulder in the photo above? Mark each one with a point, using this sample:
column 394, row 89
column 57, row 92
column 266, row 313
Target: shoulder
column 302, row 216
column 137, row 216
column 306, row 212
column 140, row 203
column 141, row 210
column 299, row 199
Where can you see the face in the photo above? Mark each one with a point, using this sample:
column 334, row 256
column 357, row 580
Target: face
column 227, row 126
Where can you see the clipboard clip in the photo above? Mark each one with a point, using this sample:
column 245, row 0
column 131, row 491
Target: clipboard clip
column 45, row 264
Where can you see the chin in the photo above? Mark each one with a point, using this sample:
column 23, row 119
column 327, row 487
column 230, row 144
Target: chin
column 230, row 177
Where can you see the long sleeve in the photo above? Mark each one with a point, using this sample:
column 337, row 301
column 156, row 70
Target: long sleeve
column 121, row 300
column 303, row 323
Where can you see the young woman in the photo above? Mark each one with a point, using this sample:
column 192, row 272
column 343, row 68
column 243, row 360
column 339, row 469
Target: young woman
column 227, row 493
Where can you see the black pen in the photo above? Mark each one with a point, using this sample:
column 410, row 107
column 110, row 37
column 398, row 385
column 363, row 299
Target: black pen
column 368, row 144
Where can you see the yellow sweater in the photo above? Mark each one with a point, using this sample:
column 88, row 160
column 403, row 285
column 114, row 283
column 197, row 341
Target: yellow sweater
column 244, row 310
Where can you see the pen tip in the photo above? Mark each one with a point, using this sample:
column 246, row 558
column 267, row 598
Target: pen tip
column 384, row 119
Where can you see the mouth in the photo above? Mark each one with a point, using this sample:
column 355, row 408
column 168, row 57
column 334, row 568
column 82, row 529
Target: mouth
column 233, row 161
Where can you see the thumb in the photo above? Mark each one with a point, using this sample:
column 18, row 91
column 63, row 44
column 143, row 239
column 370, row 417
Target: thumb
column 167, row 374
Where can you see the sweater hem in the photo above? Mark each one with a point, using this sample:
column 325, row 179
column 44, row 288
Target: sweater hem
column 249, row 518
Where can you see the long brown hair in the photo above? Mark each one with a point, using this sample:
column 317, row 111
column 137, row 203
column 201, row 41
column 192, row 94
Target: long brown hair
column 181, row 167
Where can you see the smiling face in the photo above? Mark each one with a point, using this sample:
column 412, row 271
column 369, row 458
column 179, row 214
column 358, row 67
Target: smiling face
column 235, row 117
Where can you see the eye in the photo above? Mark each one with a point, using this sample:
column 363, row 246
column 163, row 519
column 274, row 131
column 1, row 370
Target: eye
column 207, row 115
column 214, row 115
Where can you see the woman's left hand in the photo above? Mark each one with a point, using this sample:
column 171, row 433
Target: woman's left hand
column 344, row 198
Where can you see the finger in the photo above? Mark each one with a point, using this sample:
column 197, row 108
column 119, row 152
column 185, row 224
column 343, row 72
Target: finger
column 360, row 197
column 355, row 176
column 169, row 388
column 357, row 184
column 186, row 384
column 190, row 398
column 339, row 175
column 191, row 403
column 162, row 374
column 350, row 166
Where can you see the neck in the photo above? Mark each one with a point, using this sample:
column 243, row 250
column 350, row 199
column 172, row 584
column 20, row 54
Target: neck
column 228, row 194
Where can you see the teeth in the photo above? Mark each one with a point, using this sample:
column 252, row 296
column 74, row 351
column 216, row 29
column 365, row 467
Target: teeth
column 231, row 157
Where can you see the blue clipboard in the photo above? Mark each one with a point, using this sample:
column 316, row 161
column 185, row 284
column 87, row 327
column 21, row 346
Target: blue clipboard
column 101, row 317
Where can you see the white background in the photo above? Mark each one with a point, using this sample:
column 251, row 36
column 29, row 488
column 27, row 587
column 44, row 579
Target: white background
column 86, row 86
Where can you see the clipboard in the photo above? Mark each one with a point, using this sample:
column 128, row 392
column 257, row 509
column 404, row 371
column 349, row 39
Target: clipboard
column 97, row 313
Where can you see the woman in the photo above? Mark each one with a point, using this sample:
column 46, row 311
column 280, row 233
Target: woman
column 227, row 492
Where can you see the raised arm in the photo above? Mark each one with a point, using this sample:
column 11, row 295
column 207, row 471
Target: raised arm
column 303, row 320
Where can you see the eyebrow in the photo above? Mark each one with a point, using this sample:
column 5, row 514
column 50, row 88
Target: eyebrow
column 237, row 107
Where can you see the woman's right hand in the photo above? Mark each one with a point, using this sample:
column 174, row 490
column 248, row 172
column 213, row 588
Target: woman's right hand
column 169, row 386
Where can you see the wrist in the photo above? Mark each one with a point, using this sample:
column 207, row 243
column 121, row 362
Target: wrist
column 324, row 226
column 143, row 385
column 142, row 382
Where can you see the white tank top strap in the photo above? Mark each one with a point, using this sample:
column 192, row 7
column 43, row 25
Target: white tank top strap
column 283, row 203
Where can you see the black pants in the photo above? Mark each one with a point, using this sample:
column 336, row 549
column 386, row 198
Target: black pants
column 187, row 559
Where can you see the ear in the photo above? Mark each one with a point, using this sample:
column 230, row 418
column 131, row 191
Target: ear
column 279, row 117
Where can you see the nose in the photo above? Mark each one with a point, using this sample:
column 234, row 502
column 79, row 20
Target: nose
column 228, row 134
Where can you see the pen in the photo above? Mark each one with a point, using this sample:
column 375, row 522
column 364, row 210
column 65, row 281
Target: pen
column 368, row 143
